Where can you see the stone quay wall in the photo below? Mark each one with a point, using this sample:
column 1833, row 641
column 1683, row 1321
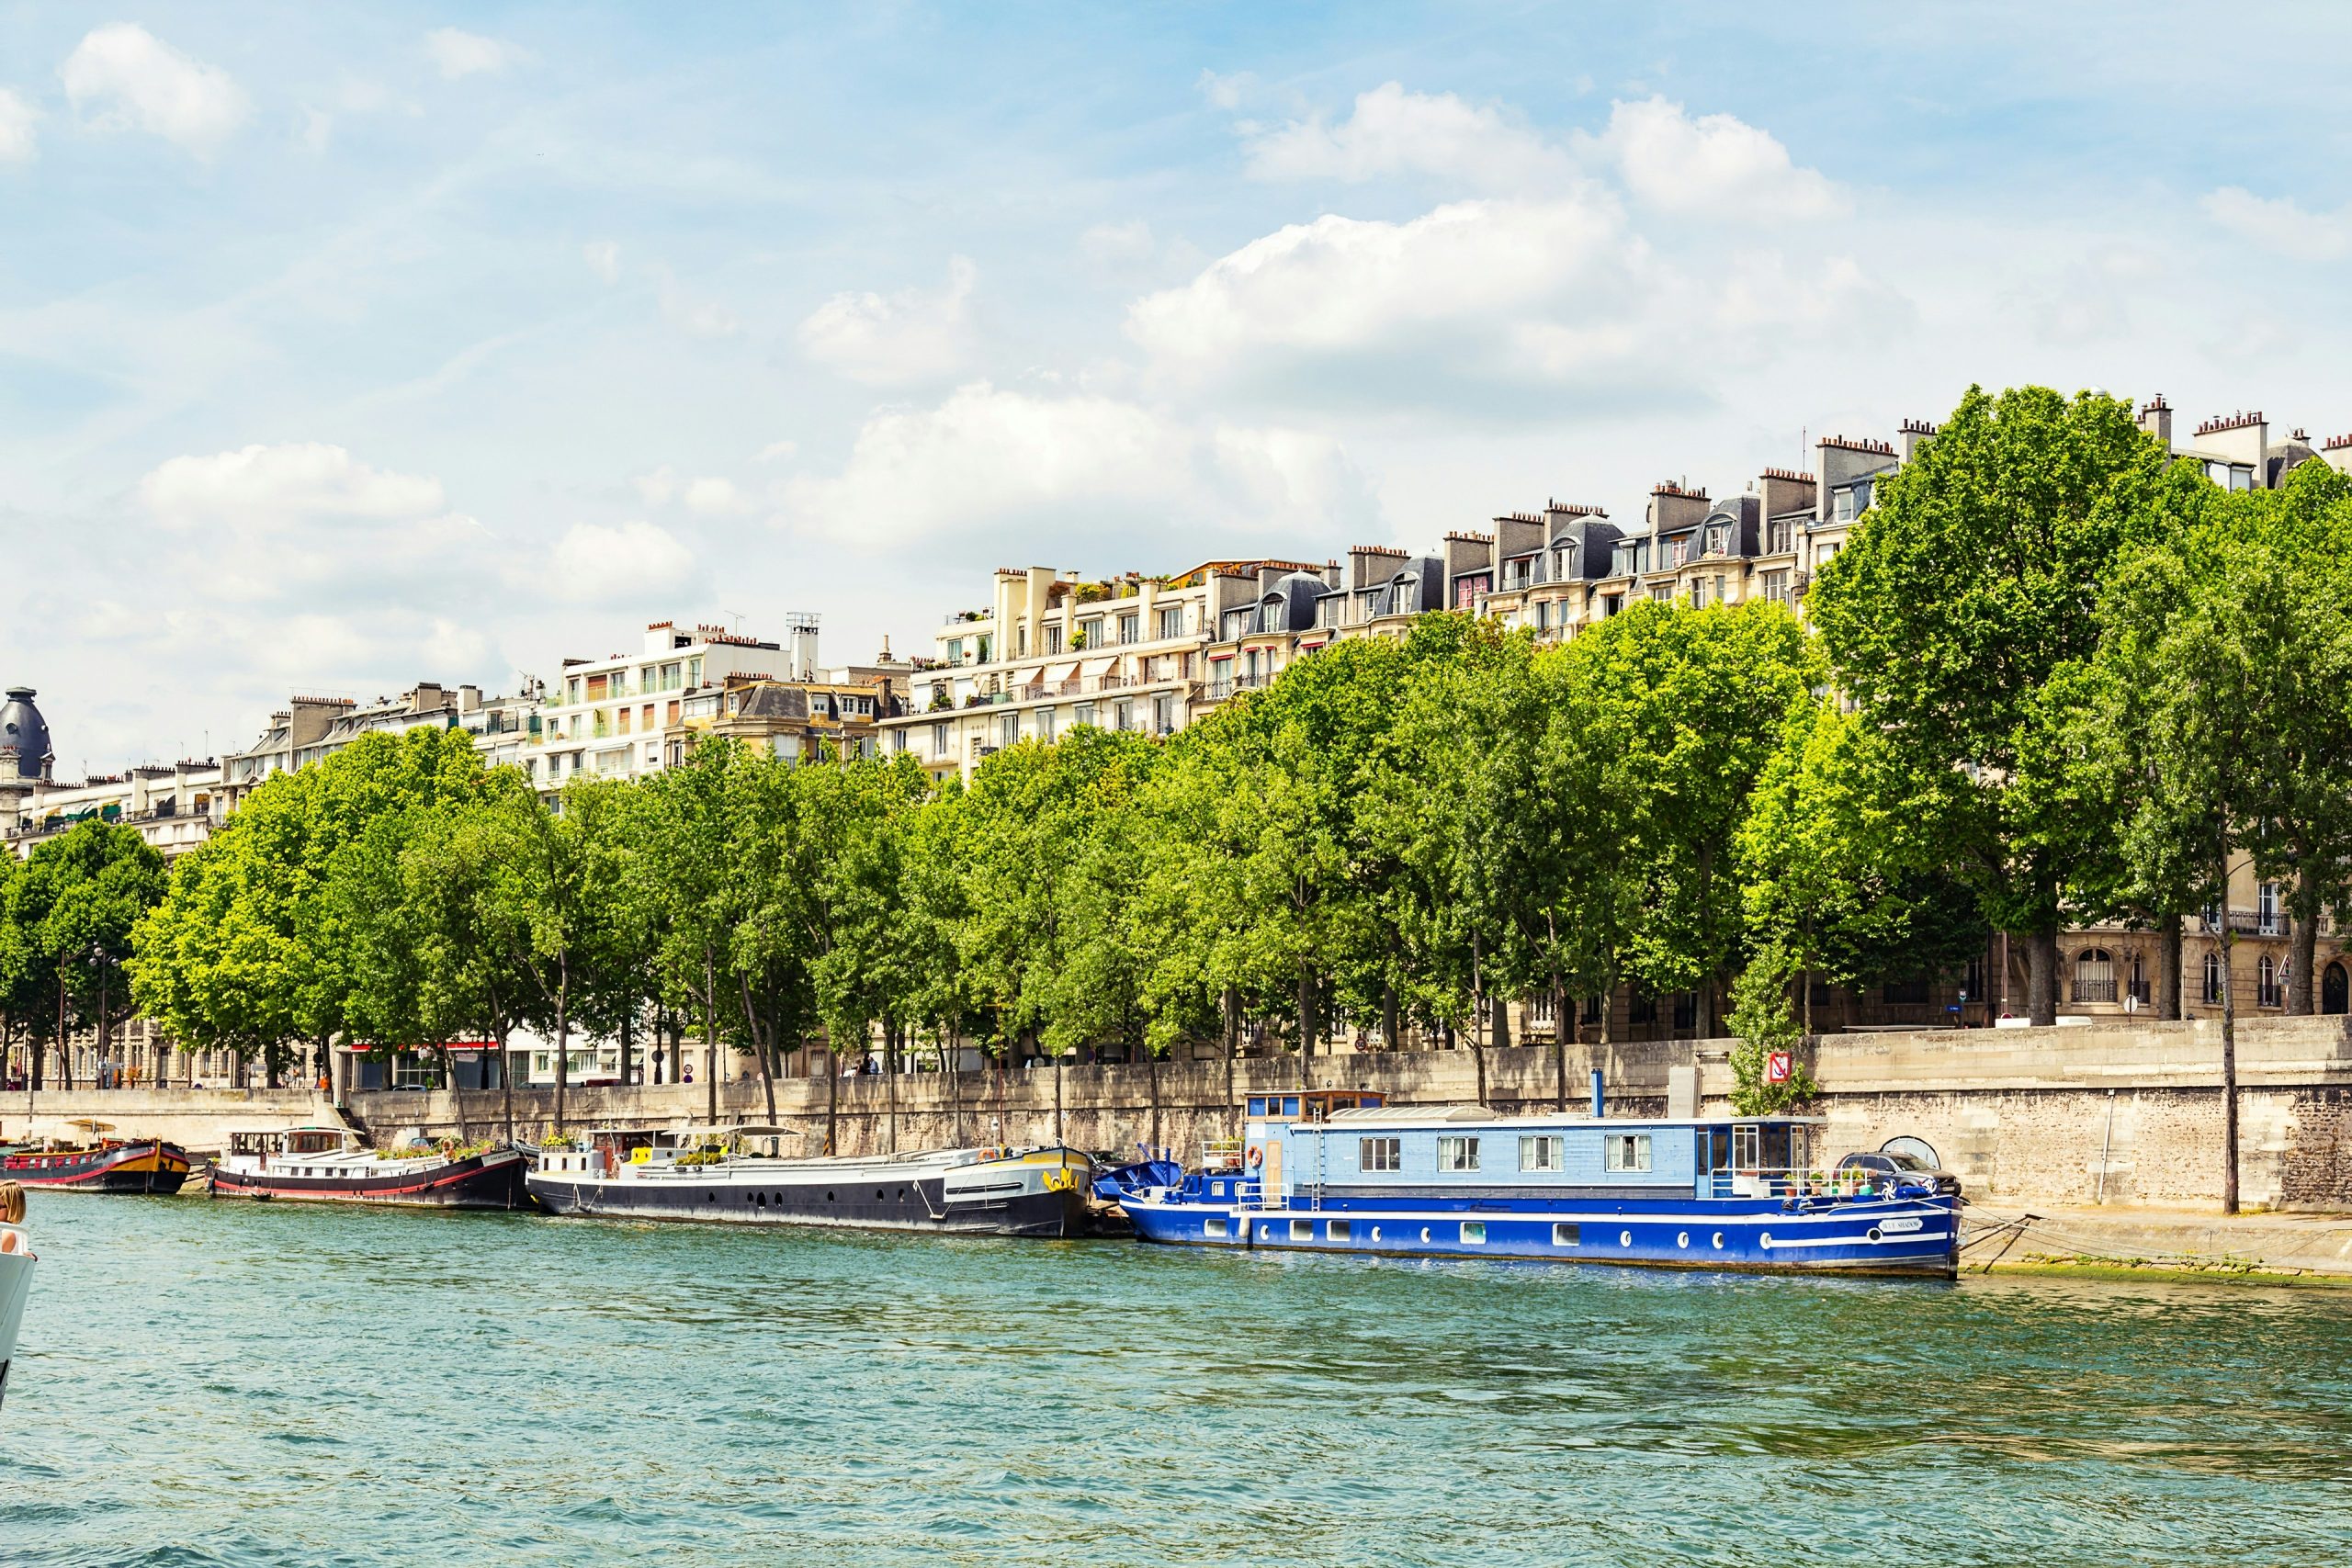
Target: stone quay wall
column 2122, row 1114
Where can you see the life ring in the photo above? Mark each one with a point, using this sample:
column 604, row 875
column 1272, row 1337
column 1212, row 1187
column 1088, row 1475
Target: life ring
column 1257, row 1155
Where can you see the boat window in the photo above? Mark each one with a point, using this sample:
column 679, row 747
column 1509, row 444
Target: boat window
column 1457, row 1154
column 1302, row 1230
column 1290, row 1105
column 1539, row 1153
column 1567, row 1234
column 1380, row 1153
column 1745, row 1141
column 1625, row 1151
column 1336, row 1230
column 1219, row 1226
column 1474, row 1233
column 1257, row 1105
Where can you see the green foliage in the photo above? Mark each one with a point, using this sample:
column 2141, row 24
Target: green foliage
column 1764, row 1021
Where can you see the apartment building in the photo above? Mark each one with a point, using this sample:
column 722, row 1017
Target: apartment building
column 793, row 719
column 311, row 728
column 611, row 717
column 1054, row 650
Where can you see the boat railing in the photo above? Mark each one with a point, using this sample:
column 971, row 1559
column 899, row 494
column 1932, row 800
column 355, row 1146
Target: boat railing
column 1220, row 1154
column 1792, row 1181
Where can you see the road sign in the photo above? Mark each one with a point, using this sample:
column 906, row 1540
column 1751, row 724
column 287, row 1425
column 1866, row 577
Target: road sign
column 1777, row 1067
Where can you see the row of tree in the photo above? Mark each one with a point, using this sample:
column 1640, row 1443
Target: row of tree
column 2056, row 679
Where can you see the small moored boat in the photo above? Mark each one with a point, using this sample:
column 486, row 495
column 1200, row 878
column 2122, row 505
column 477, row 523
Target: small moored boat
column 312, row 1164
column 93, row 1160
column 744, row 1176
column 16, row 1274
column 1334, row 1171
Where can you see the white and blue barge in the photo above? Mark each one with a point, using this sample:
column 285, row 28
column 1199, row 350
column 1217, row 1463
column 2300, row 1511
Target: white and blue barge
column 1340, row 1171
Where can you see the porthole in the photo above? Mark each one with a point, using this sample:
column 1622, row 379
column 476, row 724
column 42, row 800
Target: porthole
column 1625, row 1238
column 1376, row 1233
column 1682, row 1238
column 1424, row 1233
column 878, row 1194
column 829, row 1198
column 756, row 1198
column 1765, row 1241
column 1873, row 1233
column 779, row 1198
column 710, row 1197
column 1265, row 1233
column 1719, row 1241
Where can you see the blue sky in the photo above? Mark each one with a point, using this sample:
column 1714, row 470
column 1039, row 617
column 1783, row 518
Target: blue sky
column 346, row 346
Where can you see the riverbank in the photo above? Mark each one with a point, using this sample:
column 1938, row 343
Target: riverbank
column 2116, row 1117
column 2105, row 1242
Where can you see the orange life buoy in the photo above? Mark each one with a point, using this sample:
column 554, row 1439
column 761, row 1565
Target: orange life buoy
column 1257, row 1155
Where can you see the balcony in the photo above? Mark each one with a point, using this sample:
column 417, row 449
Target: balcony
column 2243, row 922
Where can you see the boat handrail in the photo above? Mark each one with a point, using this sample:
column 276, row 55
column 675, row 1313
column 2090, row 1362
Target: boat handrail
column 1792, row 1181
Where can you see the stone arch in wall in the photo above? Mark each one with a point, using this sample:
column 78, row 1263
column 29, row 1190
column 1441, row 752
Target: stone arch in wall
column 2094, row 975
column 2334, row 989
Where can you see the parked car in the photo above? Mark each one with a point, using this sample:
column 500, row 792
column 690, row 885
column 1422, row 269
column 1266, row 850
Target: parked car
column 1900, row 1170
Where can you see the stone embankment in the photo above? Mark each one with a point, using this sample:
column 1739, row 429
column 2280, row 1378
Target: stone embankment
column 2120, row 1118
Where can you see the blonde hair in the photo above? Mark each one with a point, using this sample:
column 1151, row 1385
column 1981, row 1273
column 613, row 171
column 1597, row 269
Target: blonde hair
column 12, row 1204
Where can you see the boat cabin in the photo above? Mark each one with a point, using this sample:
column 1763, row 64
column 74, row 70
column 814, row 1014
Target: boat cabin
column 1430, row 1149
column 1311, row 1104
column 283, row 1149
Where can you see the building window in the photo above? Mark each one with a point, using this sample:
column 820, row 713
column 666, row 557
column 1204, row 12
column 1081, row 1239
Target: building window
column 1457, row 1154
column 2266, row 984
column 1130, row 627
column 2266, row 905
column 1053, row 639
column 1842, row 506
column 1045, row 724
column 1171, row 622
column 1090, row 632
column 1905, row 993
column 1236, row 624
column 1163, row 716
column 1540, row 1152
column 2213, row 978
column 1009, row 729
column 1380, row 1153
column 1327, row 611
column 939, row 740
column 955, row 651
column 2094, row 975
column 1625, row 1151
column 1824, row 555
column 1776, row 586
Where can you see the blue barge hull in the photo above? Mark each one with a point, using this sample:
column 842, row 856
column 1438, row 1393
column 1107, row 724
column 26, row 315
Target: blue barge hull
column 1897, row 1236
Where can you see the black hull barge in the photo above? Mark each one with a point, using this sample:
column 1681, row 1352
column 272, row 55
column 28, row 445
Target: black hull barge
column 736, row 1177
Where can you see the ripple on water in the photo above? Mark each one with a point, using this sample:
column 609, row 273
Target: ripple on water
column 260, row 1385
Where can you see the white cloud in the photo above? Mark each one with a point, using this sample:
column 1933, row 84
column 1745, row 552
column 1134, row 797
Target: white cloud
column 987, row 459
column 657, row 487
column 123, row 77
column 1115, row 244
column 1716, row 166
column 905, row 338
column 1393, row 131
column 2278, row 224
column 603, row 259
column 777, row 452
column 1226, row 92
column 17, row 117
column 695, row 317
column 713, row 497
column 306, row 479
column 456, row 54
column 1465, row 283
column 597, row 563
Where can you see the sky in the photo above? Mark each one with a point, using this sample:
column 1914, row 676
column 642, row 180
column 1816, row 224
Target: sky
column 345, row 347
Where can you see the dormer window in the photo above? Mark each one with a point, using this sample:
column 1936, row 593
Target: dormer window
column 1841, row 506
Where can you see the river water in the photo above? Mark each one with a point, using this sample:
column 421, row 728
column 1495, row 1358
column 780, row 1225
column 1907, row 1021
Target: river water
column 261, row 1384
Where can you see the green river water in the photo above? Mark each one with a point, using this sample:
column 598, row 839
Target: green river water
column 220, row 1383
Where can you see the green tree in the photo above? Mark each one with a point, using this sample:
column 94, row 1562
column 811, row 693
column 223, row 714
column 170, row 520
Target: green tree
column 1974, row 581
column 91, row 885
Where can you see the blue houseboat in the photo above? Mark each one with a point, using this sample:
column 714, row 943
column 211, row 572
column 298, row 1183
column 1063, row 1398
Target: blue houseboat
column 1340, row 1171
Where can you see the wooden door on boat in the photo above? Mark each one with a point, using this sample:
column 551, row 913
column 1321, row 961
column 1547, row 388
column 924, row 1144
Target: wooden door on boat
column 1273, row 1171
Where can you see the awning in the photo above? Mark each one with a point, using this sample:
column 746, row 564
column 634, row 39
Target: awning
column 1093, row 667
column 1057, row 674
column 1221, row 655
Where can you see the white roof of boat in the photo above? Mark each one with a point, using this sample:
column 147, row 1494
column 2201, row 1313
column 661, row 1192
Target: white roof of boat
column 1431, row 1116
column 290, row 1127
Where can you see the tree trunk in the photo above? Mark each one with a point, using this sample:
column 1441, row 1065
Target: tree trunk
column 710, row 1032
column 891, row 1079
column 1231, row 1003
column 2042, row 977
column 2168, row 970
column 1058, row 1138
column 506, row 1081
column 1389, row 1025
column 1306, row 1027
column 1561, row 1022
column 2303, row 951
column 562, row 1050
column 1151, row 1075
column 65, row 1041
column 2229, row 1053
column 456, row 1095
column 628, row 1032
column 832, row 1096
